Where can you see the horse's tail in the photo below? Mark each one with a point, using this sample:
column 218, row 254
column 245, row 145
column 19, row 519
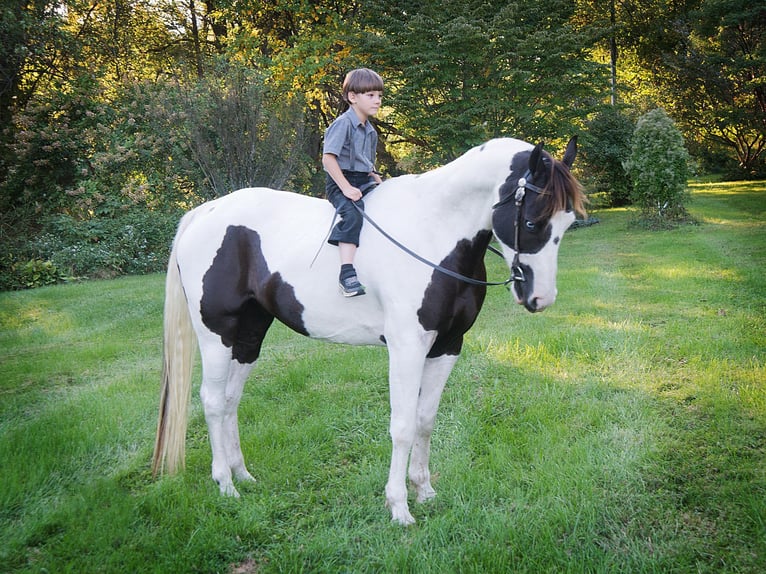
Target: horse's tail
column 179, row 347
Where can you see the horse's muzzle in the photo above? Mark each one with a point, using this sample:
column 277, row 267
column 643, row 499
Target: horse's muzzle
column 524, row 292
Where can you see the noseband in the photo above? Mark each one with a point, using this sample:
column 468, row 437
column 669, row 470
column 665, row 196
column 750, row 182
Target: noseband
column 517, row 273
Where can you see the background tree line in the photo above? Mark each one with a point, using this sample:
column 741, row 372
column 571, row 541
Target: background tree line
column 115, row 115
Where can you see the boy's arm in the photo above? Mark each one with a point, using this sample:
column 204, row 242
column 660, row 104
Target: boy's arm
column 330, row 164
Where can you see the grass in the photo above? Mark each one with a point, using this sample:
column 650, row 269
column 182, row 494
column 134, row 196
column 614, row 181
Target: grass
column 623, row 430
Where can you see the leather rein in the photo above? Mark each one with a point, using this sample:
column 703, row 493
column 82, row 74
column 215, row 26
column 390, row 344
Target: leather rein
column 517, row 273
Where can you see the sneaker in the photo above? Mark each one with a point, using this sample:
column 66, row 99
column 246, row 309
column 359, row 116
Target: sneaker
column 350, row 287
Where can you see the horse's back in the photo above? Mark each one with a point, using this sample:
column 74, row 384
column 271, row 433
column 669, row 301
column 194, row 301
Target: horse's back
column 262, row 207
column 269, row 246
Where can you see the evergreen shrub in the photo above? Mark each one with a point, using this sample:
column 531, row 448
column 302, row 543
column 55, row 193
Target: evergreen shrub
column 659, row 168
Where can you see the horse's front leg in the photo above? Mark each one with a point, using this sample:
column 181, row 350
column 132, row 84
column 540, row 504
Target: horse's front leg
column 435, row 374
column 405, row 370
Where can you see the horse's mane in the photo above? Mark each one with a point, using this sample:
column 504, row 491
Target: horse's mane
column 563, row 189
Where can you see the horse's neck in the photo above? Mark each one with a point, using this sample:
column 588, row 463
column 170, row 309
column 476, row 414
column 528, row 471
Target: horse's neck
column 467, row 187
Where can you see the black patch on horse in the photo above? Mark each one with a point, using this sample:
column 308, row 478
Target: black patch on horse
column 241, row 297
column 450, row 306
column 535, row 231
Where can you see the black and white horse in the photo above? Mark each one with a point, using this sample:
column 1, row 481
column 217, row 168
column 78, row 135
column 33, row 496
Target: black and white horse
column 245, row 259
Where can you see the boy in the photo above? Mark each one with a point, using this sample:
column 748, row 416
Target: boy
column 348, row 157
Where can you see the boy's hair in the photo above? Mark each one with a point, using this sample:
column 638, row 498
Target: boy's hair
column 360, row 81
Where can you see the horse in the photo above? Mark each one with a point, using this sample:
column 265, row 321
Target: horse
column 244, row 259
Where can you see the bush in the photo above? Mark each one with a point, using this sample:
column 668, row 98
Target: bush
column 659, row 168
column 136, row 241
column 36, row 273
column 606, row 147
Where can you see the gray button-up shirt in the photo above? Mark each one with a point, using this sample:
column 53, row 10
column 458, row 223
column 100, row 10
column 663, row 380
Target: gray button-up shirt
column 354, row 143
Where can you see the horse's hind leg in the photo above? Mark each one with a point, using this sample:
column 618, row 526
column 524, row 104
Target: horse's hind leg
column 238, row 373
column 224, row 372
column 435, row 374
column 223, row 381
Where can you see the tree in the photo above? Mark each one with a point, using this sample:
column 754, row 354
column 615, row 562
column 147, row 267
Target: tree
column 606, row 146
column 706, row 61
column 658, row 167
column 462, row 72
column 253, row 137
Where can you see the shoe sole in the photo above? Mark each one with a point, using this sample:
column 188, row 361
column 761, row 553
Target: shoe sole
column 351, row 293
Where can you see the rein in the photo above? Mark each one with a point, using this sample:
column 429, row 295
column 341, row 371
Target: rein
column 437, row 267
column 517, row 273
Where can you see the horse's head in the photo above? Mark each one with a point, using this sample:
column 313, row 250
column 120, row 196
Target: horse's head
column 536, row 206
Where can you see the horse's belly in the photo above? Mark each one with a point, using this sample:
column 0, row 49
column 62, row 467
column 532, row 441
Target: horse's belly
column 355, row 321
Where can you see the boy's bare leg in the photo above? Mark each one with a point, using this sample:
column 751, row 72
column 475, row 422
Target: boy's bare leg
column 347, row 252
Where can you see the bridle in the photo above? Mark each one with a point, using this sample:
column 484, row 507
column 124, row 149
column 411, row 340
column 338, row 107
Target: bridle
column 517, row 272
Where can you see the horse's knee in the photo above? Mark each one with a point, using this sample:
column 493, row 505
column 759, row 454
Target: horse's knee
column 425, row 424
column 402, row 433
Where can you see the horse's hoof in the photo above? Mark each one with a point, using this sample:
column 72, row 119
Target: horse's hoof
column 405, row 519
column 244, row 476
column 229, row 490
column 425, row 494
column 400, row 514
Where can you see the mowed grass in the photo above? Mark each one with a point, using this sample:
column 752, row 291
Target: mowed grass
column 623, row 430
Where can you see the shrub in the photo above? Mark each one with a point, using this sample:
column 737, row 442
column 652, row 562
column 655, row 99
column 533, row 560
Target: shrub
column 606, row 147
column 36, row 273
column 135, row 241
column 658, row 167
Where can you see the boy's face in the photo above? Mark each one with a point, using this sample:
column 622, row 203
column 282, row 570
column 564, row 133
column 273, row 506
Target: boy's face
column 366, row 104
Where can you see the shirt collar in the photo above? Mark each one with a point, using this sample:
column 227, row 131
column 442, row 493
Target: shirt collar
column 355, row 118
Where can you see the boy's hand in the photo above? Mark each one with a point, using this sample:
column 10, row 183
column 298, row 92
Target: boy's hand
column 353, row 193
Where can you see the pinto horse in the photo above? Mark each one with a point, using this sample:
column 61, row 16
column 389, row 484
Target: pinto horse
column 240, row 261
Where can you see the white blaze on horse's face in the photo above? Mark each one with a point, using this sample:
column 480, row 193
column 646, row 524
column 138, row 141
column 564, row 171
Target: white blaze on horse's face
column 538, row 291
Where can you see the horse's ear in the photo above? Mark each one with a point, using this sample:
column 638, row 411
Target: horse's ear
column 536, row 159
column 571, row 152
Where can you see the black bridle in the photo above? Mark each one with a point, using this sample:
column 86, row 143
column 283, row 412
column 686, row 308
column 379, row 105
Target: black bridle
column 517, row 272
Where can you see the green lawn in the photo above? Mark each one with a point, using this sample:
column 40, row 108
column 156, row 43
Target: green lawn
column 623, row 430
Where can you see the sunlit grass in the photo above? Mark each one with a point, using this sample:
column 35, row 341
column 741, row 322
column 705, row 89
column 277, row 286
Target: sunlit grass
column 622, row 430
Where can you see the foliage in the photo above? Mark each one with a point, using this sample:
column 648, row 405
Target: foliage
column 707, row 63
column 49, row 149
column 255, row 138
column 86, row 169
column 464, row 72
column 606, row 146
column 143, row 105
column 658, row 167
column 135, row 241
column 32, row 273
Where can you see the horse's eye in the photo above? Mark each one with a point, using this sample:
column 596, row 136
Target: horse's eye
column 530, row 225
